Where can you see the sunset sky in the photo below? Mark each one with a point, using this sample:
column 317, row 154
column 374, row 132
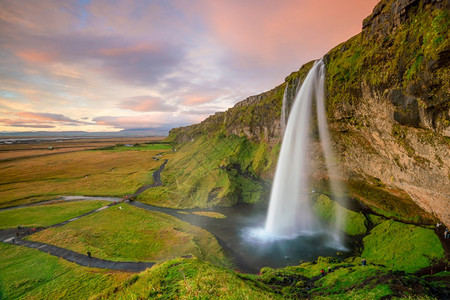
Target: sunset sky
column 106, row 65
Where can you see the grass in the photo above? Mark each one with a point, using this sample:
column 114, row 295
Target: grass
column 210, row 214
column 138, row 147
column 354, row 222
column 191, row 279
column 90, row 173
column 46, row 214
column 402, row 247
column 133, row 234
column 212, row 170
column 31, row 274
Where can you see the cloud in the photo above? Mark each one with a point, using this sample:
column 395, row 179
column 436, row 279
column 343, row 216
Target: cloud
column 49, row 117
column 146, row 104
column 82, row 59
column 24, row 123
column 155, row 120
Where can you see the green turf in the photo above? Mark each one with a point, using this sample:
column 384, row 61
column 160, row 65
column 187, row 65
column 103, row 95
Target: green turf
column 46, row 214
column 354, row 222
column 191, row 279
column 133, row 234
column 402, row 247
column 31, row 274
column 138, row 147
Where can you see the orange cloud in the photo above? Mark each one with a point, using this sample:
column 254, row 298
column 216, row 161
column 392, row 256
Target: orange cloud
column 139, row 48
column 35, row 56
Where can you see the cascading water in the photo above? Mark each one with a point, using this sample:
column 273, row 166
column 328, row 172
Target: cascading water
column 290, row 211
column 283, row 111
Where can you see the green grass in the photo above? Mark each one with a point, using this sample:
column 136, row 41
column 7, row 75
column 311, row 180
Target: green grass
column 138, row 147
column 191, row 279
column 402, row 247
column 89, row 173
column 133, row 234
column 31, row 274
column 353, row 283
column 46, row 214
column 354, row 222
column 213, row 170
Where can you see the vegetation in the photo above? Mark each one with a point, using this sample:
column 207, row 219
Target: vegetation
column 191, row 279
column 213, row 170
column 402, row 247
column 31, row 274
column 389, row 203
column 355, row 222
column 89, row 173
column 126, row 233
column 46, row 214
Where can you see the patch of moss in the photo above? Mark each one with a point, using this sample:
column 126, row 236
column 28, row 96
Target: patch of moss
column 401, row 246
column 355, row 222
column 191, row 279
column 389, row 203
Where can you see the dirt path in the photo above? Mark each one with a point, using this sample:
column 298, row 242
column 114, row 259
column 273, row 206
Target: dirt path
column 14, row 237
column 82, row 260
column 156, row 179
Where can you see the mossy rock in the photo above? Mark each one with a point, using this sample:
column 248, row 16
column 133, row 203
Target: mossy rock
column 355, row 222
column 402, row 246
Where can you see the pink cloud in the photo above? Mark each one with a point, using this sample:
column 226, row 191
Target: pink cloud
column 49, row 117
column 35, row 56
column 146, row 104
column 270, row 31
column 133, row 49
column 25, row 123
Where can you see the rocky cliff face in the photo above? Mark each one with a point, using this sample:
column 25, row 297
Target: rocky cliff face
column 388, row 92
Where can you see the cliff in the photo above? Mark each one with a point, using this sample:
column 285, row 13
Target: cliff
column 388, row 110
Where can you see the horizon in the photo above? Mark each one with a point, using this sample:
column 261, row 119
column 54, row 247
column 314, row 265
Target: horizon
column 90, row 66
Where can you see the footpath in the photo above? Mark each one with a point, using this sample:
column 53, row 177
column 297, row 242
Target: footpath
column 15, row 237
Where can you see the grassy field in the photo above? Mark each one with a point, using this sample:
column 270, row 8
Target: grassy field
column 14, row 151
column 91, row 173
column 46, row 214
column 213, row 170
column 133, row 234
column 31, row 274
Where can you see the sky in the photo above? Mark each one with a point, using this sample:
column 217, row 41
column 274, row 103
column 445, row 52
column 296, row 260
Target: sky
column 110, row 65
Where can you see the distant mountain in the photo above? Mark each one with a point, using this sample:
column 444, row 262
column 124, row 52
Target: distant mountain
column 125, row 132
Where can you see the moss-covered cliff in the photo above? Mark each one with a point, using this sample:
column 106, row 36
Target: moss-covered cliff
column 388, row 110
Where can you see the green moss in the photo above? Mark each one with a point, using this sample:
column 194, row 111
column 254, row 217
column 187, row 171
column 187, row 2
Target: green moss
column 354, row 224
column 214, row 170
column 389, row 203
column 405, row 56
column 192, row 279
column 402, row 247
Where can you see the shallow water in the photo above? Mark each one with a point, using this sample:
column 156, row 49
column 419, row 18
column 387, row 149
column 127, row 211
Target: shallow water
column 240, row 236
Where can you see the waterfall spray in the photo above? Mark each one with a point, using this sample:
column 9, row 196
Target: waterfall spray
column 290, row 212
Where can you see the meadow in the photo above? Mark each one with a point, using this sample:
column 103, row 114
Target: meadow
column 46, row 214
column 116, row 171
column 31, row 274
column 126, row 233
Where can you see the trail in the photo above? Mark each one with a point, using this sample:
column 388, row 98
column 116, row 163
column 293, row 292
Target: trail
column 14, row 236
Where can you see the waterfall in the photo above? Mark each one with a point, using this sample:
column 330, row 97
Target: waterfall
column 283, row 111
column 289, row 212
